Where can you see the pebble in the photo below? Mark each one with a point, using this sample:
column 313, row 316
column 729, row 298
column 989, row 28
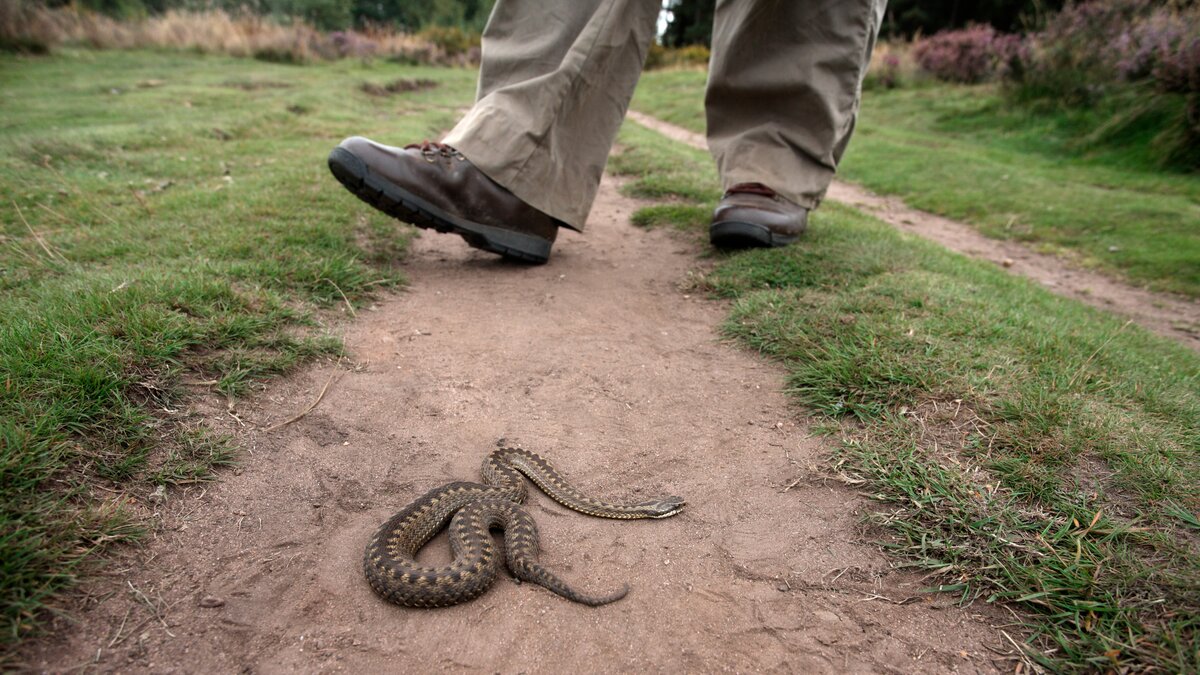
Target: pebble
column 211, row 601
column 159, row 495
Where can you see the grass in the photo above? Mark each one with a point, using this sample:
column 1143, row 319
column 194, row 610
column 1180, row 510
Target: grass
column 966, row 153
column 166, row 219
column 1021, row 448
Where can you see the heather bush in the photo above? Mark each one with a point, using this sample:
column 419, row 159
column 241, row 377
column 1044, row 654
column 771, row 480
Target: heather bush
column 1140, row 59
column 1091, row 47
column 973, row 54
column 1074, row 59
column 348, row 44
column 888, row 75
column 891, row 66
column 1178, row 70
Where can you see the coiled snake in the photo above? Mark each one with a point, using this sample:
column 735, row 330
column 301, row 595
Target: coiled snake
column 473, row 509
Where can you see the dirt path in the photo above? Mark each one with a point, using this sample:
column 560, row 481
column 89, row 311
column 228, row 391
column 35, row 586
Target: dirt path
column 1171, row 316
column 602, row 362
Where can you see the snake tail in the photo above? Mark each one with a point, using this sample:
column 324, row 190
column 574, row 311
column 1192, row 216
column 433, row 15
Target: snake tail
column 536, row 574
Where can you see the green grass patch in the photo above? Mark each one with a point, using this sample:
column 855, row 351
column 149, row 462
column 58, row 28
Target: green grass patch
column 1016, row 173
column 192, row 458
column 662, row 169
column 678, row 216
column 1023, row 448
column 164, row 218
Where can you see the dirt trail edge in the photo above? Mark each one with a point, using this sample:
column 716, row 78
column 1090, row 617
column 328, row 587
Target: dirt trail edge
column 1171, row 316
column 602, row 362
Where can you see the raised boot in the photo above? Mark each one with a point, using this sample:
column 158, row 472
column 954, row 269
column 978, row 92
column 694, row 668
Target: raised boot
column 433, row 186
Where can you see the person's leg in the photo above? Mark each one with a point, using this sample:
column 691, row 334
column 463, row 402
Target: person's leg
column 554, row 85
column 556, row 79
column 782, row 97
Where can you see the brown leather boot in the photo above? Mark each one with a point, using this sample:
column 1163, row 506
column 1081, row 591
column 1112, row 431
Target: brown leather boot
column 432, row 186
column 751, row 215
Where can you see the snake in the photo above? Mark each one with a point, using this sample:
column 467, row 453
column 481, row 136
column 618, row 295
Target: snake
column 473, row 510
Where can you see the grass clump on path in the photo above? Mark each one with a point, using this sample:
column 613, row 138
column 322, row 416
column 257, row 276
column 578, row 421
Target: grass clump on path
column 1023, row 448
column 165, row 220
column 963, row 152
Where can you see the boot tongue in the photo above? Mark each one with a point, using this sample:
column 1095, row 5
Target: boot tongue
column 751, row 189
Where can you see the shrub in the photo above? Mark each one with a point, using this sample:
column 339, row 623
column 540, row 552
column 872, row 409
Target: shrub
column 20, row 30
column 889, row 72
column 1178, row 69
column 1090, row 47
column 1139, row 57
column 348, row 44
column 891, row 66
column 970, row 55
column 1074, row 58
column 691, row 56
column 452, row 40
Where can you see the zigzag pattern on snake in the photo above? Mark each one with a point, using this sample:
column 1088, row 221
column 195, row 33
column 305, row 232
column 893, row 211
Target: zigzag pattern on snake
column 473, row 509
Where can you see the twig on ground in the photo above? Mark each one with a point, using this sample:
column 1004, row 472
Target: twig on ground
column 349, row 306
column 136, row 629
column 229, row 410
column 876, row 596
column 117, row 636
column 310, row 407
column 37, row 237
column 142, row 200
column 1033, row 667
column 153, row 607
column 793, row 484
column 58, row 215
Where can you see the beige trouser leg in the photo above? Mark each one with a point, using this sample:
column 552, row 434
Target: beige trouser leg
column 557, row 76
column 783, row 90
column 555, row 82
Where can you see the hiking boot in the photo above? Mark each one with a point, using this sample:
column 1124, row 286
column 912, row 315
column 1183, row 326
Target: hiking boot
column 432, row 186
column 752, row 215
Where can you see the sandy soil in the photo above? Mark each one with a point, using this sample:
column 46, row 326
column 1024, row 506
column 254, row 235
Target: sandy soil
column 603, row 362
column 1171, row 316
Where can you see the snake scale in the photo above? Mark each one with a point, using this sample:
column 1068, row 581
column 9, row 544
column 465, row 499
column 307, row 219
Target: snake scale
column 473, row 509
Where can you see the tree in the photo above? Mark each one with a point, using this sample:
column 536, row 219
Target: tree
column 413, row 15
column 906, row 18
column 690, row 23
column 691, row 20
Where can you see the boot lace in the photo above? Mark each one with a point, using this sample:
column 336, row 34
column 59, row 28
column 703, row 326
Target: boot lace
column 431, row 150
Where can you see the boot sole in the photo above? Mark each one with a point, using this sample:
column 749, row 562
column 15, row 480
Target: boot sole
column 733, row 235
column 397, row 202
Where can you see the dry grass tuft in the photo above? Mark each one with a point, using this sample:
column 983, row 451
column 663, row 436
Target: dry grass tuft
column 31, row 28
column 892, row 65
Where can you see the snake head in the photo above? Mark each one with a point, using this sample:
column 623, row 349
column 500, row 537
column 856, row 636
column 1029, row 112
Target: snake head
column 664, row 507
